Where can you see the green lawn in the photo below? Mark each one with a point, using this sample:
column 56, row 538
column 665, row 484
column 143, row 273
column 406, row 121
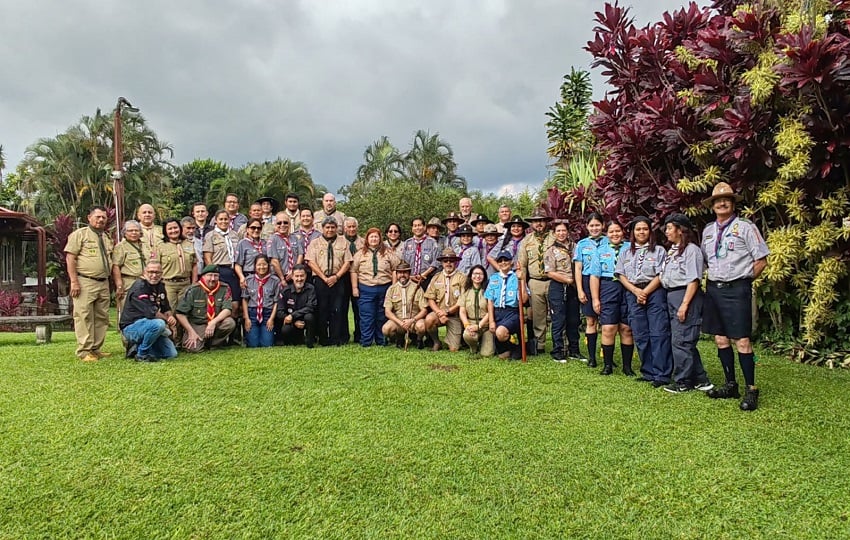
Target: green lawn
column 354, row 443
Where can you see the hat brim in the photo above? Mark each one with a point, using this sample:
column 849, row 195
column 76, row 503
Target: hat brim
column 444, row 259
column 710, row 200
column 538, row 218
column 524, row 224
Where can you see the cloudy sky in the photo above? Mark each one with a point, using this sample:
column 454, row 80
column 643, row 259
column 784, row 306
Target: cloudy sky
column 309, row 80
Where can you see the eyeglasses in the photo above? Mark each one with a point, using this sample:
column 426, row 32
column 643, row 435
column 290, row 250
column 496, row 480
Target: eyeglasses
column 154, row 272
column 283, row 223
column 393, row 232
column 255, row 228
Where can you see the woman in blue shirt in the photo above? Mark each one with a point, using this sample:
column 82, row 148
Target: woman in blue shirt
column 583, row 256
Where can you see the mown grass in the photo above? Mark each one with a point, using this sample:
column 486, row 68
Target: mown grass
column 356, row 443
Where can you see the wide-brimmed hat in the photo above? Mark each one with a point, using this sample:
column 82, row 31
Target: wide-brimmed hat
column 722, row 189
column 538, row 216
column 435, row 222
column 403, row 266
column 209, row 269
column 491, row 229
column 448, row 255
column 479, row 219
column 453, row 216
column 679, row 219
column 272, row 200
column 516, row 220
column 466, row 228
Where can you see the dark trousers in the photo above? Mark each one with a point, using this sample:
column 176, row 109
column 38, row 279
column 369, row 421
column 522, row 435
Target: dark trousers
column 355, row 308
column 332, row 313
column 650, row 324
column 566, row 318
column 290, row 335
column 687, row 363
column 372, row 315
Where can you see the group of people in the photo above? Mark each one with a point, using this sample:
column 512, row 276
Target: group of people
column 272, row 277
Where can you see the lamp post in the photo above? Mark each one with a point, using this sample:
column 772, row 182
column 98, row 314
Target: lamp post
column 118, row 165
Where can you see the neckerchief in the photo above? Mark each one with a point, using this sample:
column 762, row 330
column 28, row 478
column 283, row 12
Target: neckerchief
column 504, row 292
column 417, row 257
column 448, row 287
column 261, row 282
column 672, row 252
column 139, row 251
column 306, row 235
column 227, row 243
column 289, row 262
column 210, row 297
column 180, row 261
column 718, row 241
column 541, row 241
column 374, row 262
column 404, row 307
column 232, row 221
column 102, row 247
column 477, row 304
column 637, row 265
column 330, row 256
column 352, row 244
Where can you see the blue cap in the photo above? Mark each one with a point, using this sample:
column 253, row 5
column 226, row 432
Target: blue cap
column 504, row 254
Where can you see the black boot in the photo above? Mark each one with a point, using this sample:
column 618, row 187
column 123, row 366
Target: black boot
column 751, row 400
column 727, row 391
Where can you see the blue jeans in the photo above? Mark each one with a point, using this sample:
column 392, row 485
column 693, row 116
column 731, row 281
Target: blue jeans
column 151, row 338
column 259, row 335
column 372, row 316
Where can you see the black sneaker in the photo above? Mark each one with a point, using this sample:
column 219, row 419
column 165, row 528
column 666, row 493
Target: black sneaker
column 676, row 388
column 659, row 384
column 132, row 347
column 751, row 400
column 704, row 386
column 558, row 357
column 727, row 391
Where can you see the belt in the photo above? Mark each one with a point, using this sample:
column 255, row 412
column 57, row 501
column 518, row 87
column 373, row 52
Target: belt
column 725, row 284
column 225, row 265
column 679, row 288
column 603, row 278
column 176, row 279
column 127, row 275
column 641, row 285
column 540, row 278
column 101, row 279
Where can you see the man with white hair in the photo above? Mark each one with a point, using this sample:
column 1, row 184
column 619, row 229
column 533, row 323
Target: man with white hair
column 466, row 210
column 329, row 210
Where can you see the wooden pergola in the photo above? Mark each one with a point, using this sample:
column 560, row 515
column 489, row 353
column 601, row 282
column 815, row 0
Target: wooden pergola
column 24, row 227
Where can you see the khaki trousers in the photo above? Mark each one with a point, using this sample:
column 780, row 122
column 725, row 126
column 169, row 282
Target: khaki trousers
column 174, row 291
column 539, row 309
column 91, row 315
column 128, row 282
column 222, row 330
column 482, row 342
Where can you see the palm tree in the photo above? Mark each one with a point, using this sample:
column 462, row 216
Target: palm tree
column 382, row 162
column 273, row 178
column 431, row 162
column 567, row 128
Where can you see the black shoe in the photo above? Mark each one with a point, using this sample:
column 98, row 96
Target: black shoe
column 658, row 384
column 727, row 391
column 591, row 363
column 145, row 359
column 676, row 388
column 628, row 372
column 751, row 400
column 607, row 370
column 558, row 357
column 131, row 350
column 640, row 378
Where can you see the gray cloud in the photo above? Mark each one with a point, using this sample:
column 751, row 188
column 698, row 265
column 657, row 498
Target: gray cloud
column 316, row 81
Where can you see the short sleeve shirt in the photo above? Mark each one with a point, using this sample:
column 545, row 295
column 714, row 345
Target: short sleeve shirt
column 641, row 266
column 379, row 272
column 317, row 252
column 604, row 260
column 271, row 291
column 730, row 251
column 286, row 249
column 682, row 268
column 585, row 249
column 445, row 290
column 404, row 301
column 91, row 260
column 129, row 258
column 428, row 253
column 170, row 254
column 531, row 254
column 246, row 251
column 194, row 303
column 467, row 300
column 216, row 243
column 558, row 258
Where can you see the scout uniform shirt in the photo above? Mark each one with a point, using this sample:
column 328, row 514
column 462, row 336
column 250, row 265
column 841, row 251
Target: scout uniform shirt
column 503, row 290
column 319, row 215
column 642, row 266
column 151, row 238
column 329, row 261
column 475, row 304
column 558, row 258
column 194, row 303
column 93, row 251
column 404, row 301
column 421, row 254
column 246, row 251
column 603, row 263
column 222, row 246
column 469, row 257
column 585, row 248
column 681, row 268
column 374, row 269
column 130, row 258
column 730, row 250
column 286, row 249
column 445, row 290
column 303, row 238
column 531, row 253
column 177, row 260
column 271, row 292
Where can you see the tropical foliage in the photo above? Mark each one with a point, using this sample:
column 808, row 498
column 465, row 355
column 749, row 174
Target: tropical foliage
column 192, row 183
column 271, row 178
column 71, row 172
column 757, row 95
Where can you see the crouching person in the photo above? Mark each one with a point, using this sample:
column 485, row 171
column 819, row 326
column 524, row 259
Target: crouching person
column 297, row 310
column 403, row 309
column 503, row 296
column 146, row 319
column 204, row 312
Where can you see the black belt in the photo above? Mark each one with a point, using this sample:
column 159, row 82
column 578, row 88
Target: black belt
column 176, row 279
column 679, row 288
column 540, row 278
column 606, row 278
column 101, row 279
column 641, row 285
column 725, row 284
column 225, row 265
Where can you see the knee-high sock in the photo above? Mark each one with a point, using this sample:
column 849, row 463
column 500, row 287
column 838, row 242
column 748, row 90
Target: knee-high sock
column 748, row 366
column 628, row 352
column 727, row 360
column 591, row 346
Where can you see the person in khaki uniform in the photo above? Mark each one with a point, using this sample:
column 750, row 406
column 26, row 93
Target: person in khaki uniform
column 442, row 297
column 371, row 274
column 329, row 258
column 151, row 233
column 530, row 259
column 474, row 314
column 179, row 264
column 129, row 257
column 204, row 312
column 88, row 254
column 403, row 308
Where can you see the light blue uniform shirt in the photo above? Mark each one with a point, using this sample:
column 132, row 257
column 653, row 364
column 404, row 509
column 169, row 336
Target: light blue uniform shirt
column 603, row 263
column 585, row 248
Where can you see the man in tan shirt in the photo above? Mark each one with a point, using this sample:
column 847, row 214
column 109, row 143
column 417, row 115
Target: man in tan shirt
column 329, row 258
column 442, row 297
column 404, row 308
column 530, row 257
column 88, row 253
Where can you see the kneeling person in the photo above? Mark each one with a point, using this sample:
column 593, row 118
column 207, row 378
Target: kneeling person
column 204, row 312
column 146, row 319
column 403, row 308
column 503, row 296
column 296, row 310
column 442, row 297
